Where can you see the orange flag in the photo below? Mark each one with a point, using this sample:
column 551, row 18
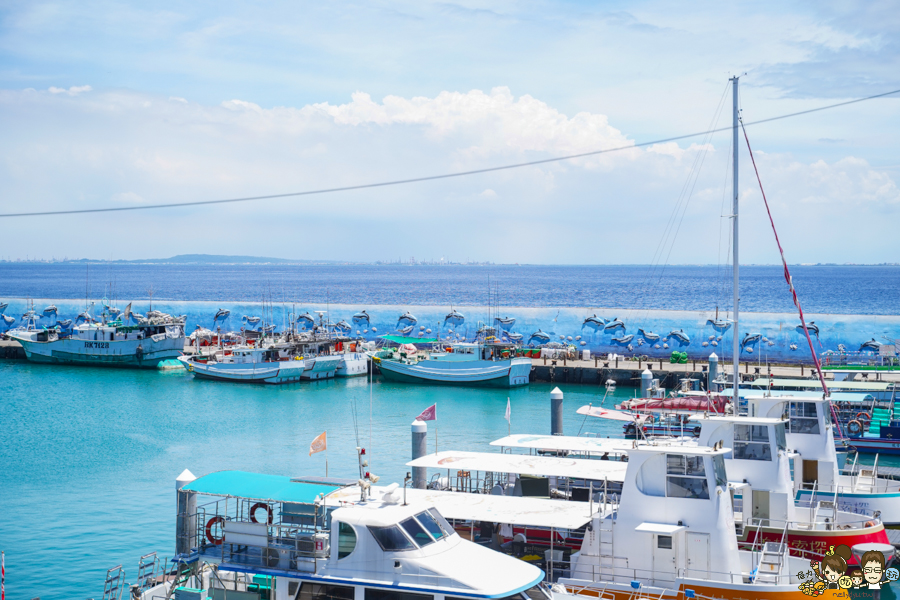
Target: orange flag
column 319, row 444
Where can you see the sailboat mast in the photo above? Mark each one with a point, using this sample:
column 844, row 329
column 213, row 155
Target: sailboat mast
column 736, row 346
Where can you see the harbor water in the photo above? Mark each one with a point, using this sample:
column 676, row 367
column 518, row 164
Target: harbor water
column 90, row 456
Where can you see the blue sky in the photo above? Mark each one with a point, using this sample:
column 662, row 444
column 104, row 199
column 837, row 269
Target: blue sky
column 105, row 104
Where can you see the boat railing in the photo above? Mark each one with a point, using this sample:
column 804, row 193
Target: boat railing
column 608, row 572
column 815, row 523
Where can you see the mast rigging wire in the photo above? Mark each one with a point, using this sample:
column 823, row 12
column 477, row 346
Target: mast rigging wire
column 434, row 177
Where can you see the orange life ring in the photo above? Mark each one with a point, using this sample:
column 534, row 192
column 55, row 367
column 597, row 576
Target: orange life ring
column 862, row 415
column 870, row 524
column 854, row 427
column 216, row 540
column 260, row 505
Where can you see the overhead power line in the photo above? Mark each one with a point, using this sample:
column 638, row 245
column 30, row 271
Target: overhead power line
column 364, row 186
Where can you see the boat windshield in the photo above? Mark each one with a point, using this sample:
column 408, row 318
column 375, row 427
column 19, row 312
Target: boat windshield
column 430, row 524
column 391, row 538
column 780, row 437
column 415, row 530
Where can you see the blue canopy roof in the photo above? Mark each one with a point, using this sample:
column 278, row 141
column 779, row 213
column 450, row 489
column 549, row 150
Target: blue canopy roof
column 258, row 486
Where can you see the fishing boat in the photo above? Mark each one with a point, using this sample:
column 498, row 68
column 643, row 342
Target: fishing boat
column 468, row 364
column 276, row 363
column 250, row 535
column 104, row 342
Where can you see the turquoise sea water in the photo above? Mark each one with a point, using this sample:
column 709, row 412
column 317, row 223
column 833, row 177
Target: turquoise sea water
column 89, row 457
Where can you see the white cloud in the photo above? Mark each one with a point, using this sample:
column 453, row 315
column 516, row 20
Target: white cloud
column 72, row 91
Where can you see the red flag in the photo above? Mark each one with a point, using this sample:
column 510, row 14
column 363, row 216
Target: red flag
column 429, row 414
column 2, row 576
column 319, row 444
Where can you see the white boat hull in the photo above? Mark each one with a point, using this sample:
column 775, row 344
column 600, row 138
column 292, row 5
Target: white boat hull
column 353, row 364
column 276, row 372
column 116, row 353
column 482, row 373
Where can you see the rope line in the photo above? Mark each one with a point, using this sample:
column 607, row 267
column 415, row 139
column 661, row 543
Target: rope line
column 434, row 177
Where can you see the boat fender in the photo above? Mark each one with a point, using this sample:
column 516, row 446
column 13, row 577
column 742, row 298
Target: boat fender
column 261, row 505
column 870, row 524
column 209, row 534
column 854, row 427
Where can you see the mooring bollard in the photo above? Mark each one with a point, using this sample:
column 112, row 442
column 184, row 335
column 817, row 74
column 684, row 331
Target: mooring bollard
column 713, row 371
column 419, row 449
column 556, row 412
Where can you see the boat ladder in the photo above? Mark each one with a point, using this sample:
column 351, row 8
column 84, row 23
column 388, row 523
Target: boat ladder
column 606, row 545
column 148, row 570
column 114, row 584
column 827, row 510
column 772, row 560
column 867, row 479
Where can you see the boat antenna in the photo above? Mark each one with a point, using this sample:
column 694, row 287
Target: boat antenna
column 736, row 349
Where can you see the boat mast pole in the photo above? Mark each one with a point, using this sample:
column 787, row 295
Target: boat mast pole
column 736, row 349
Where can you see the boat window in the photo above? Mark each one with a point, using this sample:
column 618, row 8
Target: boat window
column 430, row 524
column 346, row 539
column 803, row 418
column 318, row 591
column 751, row 442
column 719, row 468
column 416, row 532
column 445, row 525
column 391, row 539
column 664, row 541
column 376, row 594
column 780, row 437
column 686, row 477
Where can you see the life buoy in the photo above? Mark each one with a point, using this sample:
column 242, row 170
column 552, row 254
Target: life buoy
column 261, row 505
column 697, row 431
column 854, row 427
column 216, row 540
column 870, row 524
column 862, row 415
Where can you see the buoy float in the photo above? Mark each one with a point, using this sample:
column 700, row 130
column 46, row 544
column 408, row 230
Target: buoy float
column 216, row 540
column 261, row 505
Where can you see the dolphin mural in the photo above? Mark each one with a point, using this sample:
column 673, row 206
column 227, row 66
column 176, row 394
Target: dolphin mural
column 8, row 320
column 811, row 327
column 306, row 319
column 361, row 318
column 408, row 317
column 720, row 325
column 64, row 324
column 750, row 338
column 648, row 335
column 51, row 310
column 870, row 345
column 679, row 335
column 540, row 337
column 268, row 329
column 613, row 325
column 514, row 337
column 625, row 339
column 594, row 322
column 504, row 322
column 220, row 314
column 405, row 330
column 3, row 306
column 251, row 320
column 454, row 318
column 344, row 325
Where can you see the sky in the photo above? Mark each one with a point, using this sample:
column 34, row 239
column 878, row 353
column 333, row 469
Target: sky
column 121, row 104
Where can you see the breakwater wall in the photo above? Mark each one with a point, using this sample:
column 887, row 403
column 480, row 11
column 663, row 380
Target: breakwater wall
column 773, row 337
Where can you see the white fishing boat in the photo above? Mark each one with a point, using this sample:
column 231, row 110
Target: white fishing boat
column 468, row 364
column 280, row 363
column 105, row 343
column 247, row 535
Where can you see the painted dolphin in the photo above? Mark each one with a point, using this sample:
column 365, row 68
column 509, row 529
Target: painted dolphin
column 540, row 337
column 871, row 345
column 406, row 330
column 113, row 310
column 360, row 318
column 3, row 306
column 811, row 327
column 408, row 317
column 342, row 325
column 648, row 335
column 679, row 335
column 505, row 322
column 268, row 329
column 719, row 324
column 515, row 337
column 137, row 316
column 613, row 325
column 8, row 320
column 220, row 314
column 85, row 316
column 251, row 319
column 306, row 317
column 594, row 322
column 454, row 317
column 624, row 339
column 181, row 318
column 51, row 310
column 750, row 338
column 65, row 324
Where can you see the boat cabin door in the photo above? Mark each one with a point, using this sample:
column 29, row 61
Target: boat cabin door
column 760, row 505
column 697, row 554
column 665, row 563
column 810, row 473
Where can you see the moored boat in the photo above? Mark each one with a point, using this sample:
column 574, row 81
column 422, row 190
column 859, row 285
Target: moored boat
column 466, row 364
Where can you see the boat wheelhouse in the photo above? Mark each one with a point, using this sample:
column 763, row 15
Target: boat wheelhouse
column 318, row 539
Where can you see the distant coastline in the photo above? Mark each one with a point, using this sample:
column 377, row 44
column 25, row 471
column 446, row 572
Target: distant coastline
column 224, row 259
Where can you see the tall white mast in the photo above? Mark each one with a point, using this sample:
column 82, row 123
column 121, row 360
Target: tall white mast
column 736, row 347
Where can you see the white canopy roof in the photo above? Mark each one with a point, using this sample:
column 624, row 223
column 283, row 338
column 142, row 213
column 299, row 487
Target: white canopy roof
column 660, row 528
column 533, row 512
column 558, row 443
column 523, row 464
